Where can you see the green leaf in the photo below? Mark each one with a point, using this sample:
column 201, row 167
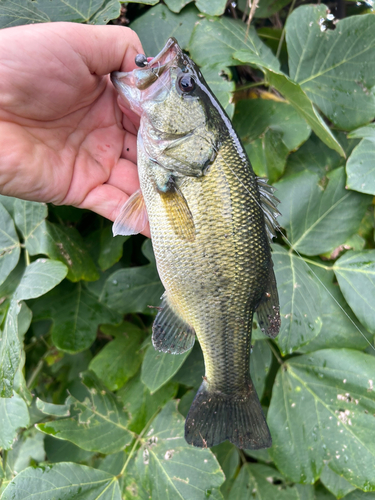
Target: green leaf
column 159, row 23
column 10, row 350
column 360, row 165
column 18, row 12
column 268, row 155
column 336, row 68
column 295, row 95
column 313, row 156
column 13, row 415
column 254, row 117
column 119, row 360
column 338, row 328
column 214, row 42
column 27, row 449
column 220, row 82
column 66, row 245
column 64, row 451
column 65, row 481
column 318, row 220
column 141, row 404
column 228, row 458
column 265, row 8
column 360, row 495
column 110, row 248
column 28, row 215
column 182, row 471
column 192, row 371
column 355, row 272
column 176, row 5
column 299, row 301
column 211, row 7
column 159, row 367
column 9, row 245
column 76, row 315
column 52, row 409
column 39, row 278
column 98, row 422
column 260, row 363
column 322, row 410
column 335, row 483
column 256, row 482
column 132, row 289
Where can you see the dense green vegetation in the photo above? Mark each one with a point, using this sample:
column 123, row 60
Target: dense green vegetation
column 88, row 409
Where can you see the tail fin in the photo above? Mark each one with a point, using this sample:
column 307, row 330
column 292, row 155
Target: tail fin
column 215, row 417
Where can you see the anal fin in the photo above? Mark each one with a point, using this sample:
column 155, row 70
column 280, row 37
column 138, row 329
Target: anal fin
column 170, row 333
column 268, row 310
column 132, row 218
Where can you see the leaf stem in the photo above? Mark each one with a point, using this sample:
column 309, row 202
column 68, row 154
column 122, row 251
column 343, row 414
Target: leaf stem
column 137, row 441
column 276, row 354
column 5, row 459
column 27, row 258
column 35, row 373
column 327, row 268
column 283, row 32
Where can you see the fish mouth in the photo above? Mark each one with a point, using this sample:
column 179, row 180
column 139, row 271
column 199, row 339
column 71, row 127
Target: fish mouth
column 143, row 78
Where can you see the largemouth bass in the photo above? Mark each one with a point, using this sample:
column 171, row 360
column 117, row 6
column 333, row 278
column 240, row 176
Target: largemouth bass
column 211, row 222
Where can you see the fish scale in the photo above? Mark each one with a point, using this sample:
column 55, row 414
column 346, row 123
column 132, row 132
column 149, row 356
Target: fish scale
column 210, row 238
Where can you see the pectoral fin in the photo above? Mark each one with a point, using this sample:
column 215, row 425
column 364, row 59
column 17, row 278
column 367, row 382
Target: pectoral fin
column 268, row 310
column 170, row 333
column 132, row 218
column 178, row 212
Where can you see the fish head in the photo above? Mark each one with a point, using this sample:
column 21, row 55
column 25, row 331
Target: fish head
column 169, row 93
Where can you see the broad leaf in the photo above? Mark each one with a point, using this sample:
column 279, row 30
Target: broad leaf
column 18, row 12
column 76, row 315
column 39, row 278
column 318, row 220
column 265, row 8
column 13, row 415
column 58, row 450
column 52, row 409
column 120, row 359
column 322, row 410
column 360, row 167
column 110, row 248
column 219, row 81
column 9, row 245
column 228, row 458
column 254, row 117
column 140, row 404
column 214, row 41
column 259, row 482
column 260, row 363
column 340, row 326
column 211, row 7
column 98, row 421
column 159, row 23
column 335, row 483
column 10, row 350
column 299, row 301
column 176, row 5
column 28, row 215
column 294, row 94
column 159, row 367
column 132, row 289
column 313, row 156
column 65, row 481
column 355, row 272
column 336, row 68
column 66, row 245
column 182, row 471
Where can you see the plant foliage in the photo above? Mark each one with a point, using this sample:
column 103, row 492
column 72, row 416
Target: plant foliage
column 88, row 408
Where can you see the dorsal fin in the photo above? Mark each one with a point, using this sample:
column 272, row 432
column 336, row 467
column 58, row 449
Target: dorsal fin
column 269, row 202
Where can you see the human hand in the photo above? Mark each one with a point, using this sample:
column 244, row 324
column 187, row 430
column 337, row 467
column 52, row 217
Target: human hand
column 63, row 137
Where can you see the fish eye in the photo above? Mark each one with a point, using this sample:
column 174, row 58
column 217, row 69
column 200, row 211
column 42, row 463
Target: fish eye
column 186, row 83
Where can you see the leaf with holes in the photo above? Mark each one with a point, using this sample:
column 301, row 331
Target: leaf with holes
column 322, row 411
column 336, row 68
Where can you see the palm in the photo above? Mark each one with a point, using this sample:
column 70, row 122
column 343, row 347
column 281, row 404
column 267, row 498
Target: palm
column 60, row 125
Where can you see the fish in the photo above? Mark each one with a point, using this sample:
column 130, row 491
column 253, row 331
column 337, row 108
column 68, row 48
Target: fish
column 212, row 221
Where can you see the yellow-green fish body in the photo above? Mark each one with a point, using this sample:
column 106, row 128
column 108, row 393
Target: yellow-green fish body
column 210, row 234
